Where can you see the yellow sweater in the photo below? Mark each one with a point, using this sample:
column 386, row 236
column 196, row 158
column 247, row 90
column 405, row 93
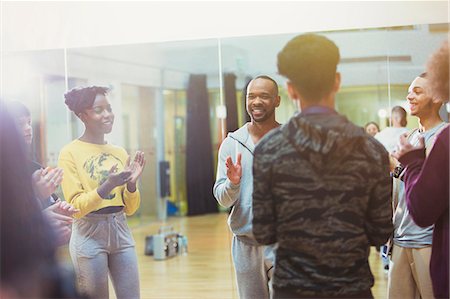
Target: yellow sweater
column 86, row 167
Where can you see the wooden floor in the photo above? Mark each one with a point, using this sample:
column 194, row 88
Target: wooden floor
column 206, row 271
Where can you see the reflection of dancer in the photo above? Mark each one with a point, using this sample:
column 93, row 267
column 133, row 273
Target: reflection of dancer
column 101, row 182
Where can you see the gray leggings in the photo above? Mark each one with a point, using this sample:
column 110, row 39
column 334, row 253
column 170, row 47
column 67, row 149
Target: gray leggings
column 103, row 243
column 253, row 266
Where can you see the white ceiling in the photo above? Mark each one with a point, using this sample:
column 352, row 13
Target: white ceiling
column 57, row 24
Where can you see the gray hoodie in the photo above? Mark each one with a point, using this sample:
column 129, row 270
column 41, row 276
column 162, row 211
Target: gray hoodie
column 239, row 197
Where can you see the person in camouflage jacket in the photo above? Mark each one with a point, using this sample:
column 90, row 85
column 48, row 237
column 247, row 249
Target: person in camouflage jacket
column 321, row 185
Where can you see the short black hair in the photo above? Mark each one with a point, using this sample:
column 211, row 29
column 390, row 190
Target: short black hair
column 310, row 61
column 17, row 109
column 81, row 98
column 265, row 77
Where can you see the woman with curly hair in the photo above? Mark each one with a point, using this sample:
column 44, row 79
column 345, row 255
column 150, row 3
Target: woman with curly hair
column 100, row 181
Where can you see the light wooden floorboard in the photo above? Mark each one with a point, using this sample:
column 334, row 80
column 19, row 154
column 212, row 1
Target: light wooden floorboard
column 206, row 271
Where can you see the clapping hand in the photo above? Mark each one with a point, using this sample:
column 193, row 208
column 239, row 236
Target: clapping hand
column 404, row 146
column 60, row 218
column 118, row 178
column 64, row 208
column 234, row 171
column 136, row 167
column 45, row 181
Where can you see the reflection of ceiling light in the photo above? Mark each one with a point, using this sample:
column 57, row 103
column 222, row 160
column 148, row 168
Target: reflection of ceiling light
column 448, row 107
column 382, row 113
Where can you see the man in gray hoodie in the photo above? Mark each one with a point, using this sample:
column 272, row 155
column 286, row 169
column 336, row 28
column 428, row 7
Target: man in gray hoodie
column 253, row 263
column 321, row 185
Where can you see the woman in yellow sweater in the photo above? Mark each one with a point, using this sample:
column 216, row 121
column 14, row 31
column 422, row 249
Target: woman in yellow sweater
column 100, row 181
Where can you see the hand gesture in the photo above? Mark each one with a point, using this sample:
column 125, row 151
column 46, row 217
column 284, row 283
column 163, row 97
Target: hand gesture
column 136, row 167
column 118, row 178
column 404, row 146
column 63, row 208
column 45, row 181
column 234, row 171
column 59, row 216
column 392, row 162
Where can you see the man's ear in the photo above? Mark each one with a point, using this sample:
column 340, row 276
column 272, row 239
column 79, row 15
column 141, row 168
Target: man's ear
column 435, row 100
column 337, row 82
column 277, row 101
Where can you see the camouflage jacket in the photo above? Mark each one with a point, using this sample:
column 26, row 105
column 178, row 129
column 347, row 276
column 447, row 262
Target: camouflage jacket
column 322, row 192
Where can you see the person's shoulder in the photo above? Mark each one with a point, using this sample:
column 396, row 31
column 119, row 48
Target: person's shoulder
column 73, row 145
column 271, row 140
column 375, row 148
column 117, row 149
column 383, row 133
column 240, row 133
column 444, row 135
column 113, row 146
column 69, row 151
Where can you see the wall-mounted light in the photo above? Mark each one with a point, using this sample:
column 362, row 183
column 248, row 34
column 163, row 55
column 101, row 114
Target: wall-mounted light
column 382, row 113
column 221, row 112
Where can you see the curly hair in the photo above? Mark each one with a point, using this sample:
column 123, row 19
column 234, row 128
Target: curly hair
column 81, row 98
column 310, row 61
column 438, row 72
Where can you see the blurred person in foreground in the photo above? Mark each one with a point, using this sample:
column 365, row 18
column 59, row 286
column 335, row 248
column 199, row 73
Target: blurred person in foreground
column 28, row 265
column 45, row 181
column 427, row 178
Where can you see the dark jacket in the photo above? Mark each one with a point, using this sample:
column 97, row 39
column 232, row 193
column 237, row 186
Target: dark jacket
column 427, row 197
column 322, row 191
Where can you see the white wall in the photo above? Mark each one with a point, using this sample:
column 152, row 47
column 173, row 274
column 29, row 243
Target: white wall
column 56, row 24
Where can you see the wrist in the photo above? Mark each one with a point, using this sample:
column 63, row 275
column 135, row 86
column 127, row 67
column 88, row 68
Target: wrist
column 105, row 189
column 131, row 187
column 234, row 183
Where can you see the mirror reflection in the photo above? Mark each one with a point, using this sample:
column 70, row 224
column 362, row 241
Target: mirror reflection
column 177, row 102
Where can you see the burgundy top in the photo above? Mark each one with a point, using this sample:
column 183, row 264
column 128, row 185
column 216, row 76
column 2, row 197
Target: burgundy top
column 427, row 197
